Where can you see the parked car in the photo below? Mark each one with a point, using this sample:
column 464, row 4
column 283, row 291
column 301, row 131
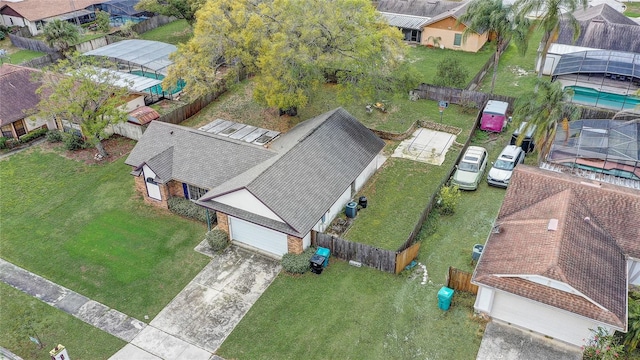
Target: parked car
column 471, row 168
column 501, row 170
column 528, row 144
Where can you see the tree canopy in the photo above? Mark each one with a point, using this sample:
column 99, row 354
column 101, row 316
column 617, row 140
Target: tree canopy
column 60, row 35
column 292, row 47
column 80, row 91
column 181, row 9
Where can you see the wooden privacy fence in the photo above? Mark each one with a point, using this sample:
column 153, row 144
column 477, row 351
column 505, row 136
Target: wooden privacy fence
column 381, row 259
column 460, row 281
column 186, row 111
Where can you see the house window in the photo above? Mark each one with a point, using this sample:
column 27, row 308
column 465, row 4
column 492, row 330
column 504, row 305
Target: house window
column 195, row 192
column 6, row 131
column 457, row 39
column 20, row 129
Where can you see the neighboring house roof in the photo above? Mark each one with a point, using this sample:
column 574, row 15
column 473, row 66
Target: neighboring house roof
column 143, row 115
column 405, row 21
column 195, row 157
column 427, row 8
column 602, row 27
column 595, row 228
column 18, row 93
column 455, row 13
column 317, row 161
column 33, row 10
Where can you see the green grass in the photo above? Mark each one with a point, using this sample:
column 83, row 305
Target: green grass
column 426, row 60
column 355, row 313
column 21, row 56
column 52, row 326
column 633, row 9
column 397, row 194
column 85, row 228
column 516, row 73
column 175, row 32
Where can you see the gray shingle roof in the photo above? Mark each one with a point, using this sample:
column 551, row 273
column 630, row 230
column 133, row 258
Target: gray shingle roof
column 318, row 160
column 192, row 156
column 405, row 21
column 602, row 12
column 426, row 8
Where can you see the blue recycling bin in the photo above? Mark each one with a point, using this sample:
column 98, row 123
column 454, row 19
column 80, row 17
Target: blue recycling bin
column 324, row 252
column 445, row 295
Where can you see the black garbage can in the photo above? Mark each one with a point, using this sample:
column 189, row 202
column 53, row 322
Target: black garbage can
column 362, row 201
column 317, row 264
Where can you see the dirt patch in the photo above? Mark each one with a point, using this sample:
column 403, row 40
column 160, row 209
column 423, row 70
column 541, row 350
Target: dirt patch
column 116, row 146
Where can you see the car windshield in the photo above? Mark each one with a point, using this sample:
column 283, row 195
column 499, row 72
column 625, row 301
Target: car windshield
column 465, row 166
column 504, row 165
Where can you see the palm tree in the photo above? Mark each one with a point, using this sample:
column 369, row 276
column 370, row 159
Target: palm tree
column 552, row 12
column 493, row 17
column 60, row 35
column 545, row 109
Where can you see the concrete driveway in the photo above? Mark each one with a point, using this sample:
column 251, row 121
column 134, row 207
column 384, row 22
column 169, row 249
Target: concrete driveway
column 205, row 312
column 505, row 342
column 425, row 145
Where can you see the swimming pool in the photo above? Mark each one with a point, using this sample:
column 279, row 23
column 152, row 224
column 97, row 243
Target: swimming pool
column 592, row 97
column 157, row 89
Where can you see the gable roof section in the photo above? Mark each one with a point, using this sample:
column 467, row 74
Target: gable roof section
column 405, row 21
column 427, row 8
column 602, row 27
column 586, row 252
column 195, row 157
column 33, row 10
column 318, row 160
column 18, row 93
column 454, row 13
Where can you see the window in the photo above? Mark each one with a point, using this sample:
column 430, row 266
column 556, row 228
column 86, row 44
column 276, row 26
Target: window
column 20, row 129
column 195, row 192
column 6, row 132
column 457, row 40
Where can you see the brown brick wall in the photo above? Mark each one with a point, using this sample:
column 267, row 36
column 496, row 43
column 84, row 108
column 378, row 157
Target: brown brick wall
column 223, row 221
column 175, row 188
column 294, row 244
column 141, row 187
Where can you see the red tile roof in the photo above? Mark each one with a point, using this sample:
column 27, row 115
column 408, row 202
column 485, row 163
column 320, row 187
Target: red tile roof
column 18, row 93
column 33, row 10
column 596, row 227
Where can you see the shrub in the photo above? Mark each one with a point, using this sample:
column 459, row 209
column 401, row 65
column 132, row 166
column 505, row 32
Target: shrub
column 189, row 209
column 602, row 346
column 217, row 239
column 73, row 142
column 3, row 142
column 451, row 73
column 448, row 199
column 54, row 136
column 297, row 263
column 10, row 143
column 33, row 135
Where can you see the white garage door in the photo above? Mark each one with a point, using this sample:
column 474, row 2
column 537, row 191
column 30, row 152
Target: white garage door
column 258, row 236
column 542, row 319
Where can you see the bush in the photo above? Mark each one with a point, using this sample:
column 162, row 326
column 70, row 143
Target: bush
column 3, row 142
column 217, row 239
column 451, row 73
column 10, row 143
column 73, row 142
column 33, row 135
column 448, row 199
column 189, row 209
column 54, row 136
column 297, row 263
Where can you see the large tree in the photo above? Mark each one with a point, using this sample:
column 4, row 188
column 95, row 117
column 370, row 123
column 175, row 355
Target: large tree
column 496, row 19
column 60, row 35
column 550, row 13
column 546, row 109
column 181, row 9
column 293, row 47
column 82, row 91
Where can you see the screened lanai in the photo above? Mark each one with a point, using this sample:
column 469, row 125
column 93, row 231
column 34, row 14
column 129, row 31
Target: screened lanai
column 601, row 78
column 602, row 145
column 143, row 55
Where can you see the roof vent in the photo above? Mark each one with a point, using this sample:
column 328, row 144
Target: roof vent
column 553, row 225
column 587, row 219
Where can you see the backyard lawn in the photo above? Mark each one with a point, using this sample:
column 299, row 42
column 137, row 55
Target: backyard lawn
column 83, row 226
column 633, row 9
column 23, row 316
column 174, row 33
column 355, row 313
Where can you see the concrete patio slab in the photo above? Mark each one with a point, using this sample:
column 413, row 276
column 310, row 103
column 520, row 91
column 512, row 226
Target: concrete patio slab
column 505, row 342
column 426, row 146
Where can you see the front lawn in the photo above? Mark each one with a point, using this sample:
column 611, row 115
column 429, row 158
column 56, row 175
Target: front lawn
column 175, row 32
column 397, row 195
column 355, row 313
column 633, row 9
column 22, row 316
column 84, row 227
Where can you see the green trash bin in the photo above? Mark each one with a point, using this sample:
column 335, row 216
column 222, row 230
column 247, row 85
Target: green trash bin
column 444, row 298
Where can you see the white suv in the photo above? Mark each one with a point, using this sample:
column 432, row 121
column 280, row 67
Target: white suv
column 502, row 169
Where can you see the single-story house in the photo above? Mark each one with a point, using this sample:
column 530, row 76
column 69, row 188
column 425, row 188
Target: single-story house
column 19, row 102
column 272, row 198
column 561, row 256
column 601, row 28
column 431, row 23
column 34, row 14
